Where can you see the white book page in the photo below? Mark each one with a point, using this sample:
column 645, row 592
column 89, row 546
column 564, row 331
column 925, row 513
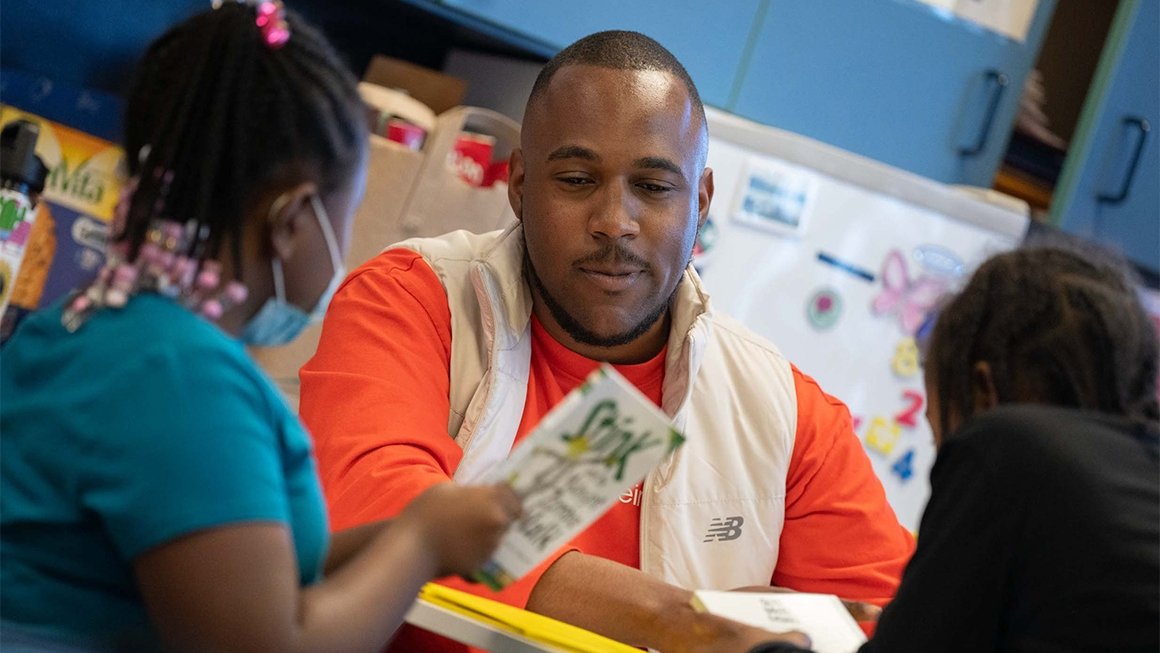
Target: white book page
column 592, row 446
column 821, row 616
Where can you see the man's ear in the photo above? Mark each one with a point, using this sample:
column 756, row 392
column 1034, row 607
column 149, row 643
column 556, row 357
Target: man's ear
column 288, row 217
column 516, row 182
column 704, row 196
column 983, row 391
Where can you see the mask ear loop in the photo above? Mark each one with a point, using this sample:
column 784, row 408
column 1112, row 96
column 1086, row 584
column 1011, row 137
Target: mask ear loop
column 327, row 232
column 276, row 207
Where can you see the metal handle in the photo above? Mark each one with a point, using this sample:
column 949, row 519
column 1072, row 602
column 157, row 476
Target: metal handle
column 999, row 83
column 1143, row 127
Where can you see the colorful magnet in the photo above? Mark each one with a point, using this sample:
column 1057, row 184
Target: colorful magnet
column 939, row 261
column 882, row 435
column 908, row 299
column 823, row 309
column 845, row 266
column 904, row 364
column 904, row 466
column 909, row 415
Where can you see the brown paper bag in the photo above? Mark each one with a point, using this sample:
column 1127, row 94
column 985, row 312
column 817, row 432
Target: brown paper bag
column 440, row 201
column 409, row 194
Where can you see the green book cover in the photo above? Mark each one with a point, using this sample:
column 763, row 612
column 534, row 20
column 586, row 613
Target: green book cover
column 596, row 443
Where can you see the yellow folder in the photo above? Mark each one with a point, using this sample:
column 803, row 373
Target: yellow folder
column 521, row 622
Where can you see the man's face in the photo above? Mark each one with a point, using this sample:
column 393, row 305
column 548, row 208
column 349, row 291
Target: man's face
column 611, row 188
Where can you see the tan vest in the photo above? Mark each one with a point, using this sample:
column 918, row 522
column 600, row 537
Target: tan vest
column 711, row 515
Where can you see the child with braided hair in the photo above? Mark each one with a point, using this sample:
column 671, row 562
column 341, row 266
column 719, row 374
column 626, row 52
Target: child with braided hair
column 156, row 491
column 1042, row 532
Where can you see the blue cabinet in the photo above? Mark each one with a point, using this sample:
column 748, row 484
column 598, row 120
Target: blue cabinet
column 894, row 80
column 708, row 37
column 1110, row 187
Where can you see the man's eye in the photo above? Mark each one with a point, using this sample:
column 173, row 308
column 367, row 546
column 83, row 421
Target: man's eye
column 654, row 188
column 575, row 181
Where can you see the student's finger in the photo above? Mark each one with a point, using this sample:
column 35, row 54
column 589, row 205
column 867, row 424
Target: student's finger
column 510, row 501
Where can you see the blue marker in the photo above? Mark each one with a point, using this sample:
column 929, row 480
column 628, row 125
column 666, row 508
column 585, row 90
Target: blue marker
column 848, row 267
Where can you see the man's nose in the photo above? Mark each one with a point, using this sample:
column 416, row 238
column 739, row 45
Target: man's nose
column 615, row 214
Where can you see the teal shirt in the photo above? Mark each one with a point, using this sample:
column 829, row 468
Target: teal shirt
column 145, row 425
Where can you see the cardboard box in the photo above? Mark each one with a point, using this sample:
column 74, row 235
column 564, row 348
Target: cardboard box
column 502, row 84
column 431, row 87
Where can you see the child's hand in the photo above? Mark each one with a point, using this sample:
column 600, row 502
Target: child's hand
column 462, row 525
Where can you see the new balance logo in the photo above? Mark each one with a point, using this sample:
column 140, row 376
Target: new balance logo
column 724, row 529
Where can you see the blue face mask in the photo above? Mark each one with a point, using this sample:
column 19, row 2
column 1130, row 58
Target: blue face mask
column 278, row 321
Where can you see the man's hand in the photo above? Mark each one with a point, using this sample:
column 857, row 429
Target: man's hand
column 629, row 606
column 708, row 633
column 862, row 612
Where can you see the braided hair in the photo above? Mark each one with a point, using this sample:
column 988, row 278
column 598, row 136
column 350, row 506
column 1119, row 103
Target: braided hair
column 1055, row 326
column 215, row 116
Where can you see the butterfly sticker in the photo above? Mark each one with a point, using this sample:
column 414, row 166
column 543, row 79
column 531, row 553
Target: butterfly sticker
column 909, row 300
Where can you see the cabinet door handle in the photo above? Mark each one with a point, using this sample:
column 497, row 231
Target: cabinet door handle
column 1142, row 128
column 998, row 83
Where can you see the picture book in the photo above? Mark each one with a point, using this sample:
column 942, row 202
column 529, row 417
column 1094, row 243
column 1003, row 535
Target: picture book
column 823, row 617
column 599, row 441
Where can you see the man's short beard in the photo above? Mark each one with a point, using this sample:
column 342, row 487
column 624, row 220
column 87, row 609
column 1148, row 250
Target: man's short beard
column 583, row 334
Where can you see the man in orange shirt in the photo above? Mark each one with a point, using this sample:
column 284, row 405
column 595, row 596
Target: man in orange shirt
column 438, row 355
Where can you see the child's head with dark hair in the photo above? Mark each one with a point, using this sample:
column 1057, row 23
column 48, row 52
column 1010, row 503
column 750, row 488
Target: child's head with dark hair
column 1046, row 325
column 218, row 118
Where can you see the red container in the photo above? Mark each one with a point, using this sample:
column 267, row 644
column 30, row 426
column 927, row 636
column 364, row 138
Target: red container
column 407, row 133
column 470, row 158
column 497, row 171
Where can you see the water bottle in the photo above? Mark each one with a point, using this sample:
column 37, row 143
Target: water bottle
column 22, row 177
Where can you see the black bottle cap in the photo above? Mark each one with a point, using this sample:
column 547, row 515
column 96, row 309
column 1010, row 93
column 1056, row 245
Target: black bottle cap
column 18, row 160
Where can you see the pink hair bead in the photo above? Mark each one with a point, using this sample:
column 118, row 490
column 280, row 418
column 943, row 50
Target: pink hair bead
column 149, row 252
column 236, row 292
column 81, row 303
column 208, row 278
column 184, row 270
column 124, row 275
column 272, row 23
column 211, row 309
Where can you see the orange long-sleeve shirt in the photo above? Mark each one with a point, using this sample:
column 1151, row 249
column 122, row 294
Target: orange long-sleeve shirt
column 375, row 396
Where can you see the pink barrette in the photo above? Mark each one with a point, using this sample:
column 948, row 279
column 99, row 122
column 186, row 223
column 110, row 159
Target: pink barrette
column 272, row 22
